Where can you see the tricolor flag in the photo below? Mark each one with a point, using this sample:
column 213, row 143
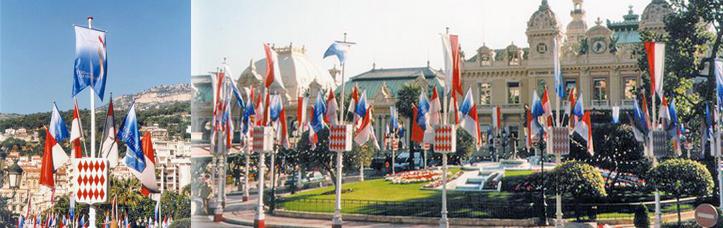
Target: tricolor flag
column 248, row 113
column 423, row 110
column 76, row 132
column 53, row 155
column 361, row 109
column 272, row 68
column 393, row 119
column 109, row 148
column 663, row 113
column 331, row 115
column 91, row 63
column 470, row 120
column 536, row 110
column 655, row 52
column 354, row 95
column 584, row 129
column 317, row 119
column 533, row 128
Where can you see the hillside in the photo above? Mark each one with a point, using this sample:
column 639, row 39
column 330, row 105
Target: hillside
column 156, row 97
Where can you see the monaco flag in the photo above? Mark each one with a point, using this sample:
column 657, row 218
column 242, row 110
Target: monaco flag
column 148, row 176
column 331, row 106
column 452, row 61
column 272, row 68
column 53, row 155
column 436, row 109
column 470, row 120
column 109, row 148
column 656, row 66
column 365, row 130
column 76, row 132
column 584, row 129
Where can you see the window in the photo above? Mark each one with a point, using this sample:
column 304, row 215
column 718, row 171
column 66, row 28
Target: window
column 513, row 92
column 600, row 87
column 570, row 85
column 541, row 86
column 629, row 84
column 484, row 93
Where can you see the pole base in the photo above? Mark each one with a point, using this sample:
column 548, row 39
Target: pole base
column 259, row 223
column 245, row 198
column 443, row 223
column 218, row 218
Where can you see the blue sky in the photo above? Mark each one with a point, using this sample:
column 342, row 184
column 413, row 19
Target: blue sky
column 399, row 33
column 148, row 44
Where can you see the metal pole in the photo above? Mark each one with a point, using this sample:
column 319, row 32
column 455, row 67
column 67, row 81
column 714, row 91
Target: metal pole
column 337, row 221
column 259, row 220
column 218, row 212
column 246, row 178
column 91, row 94
column 558, row 198
column 444, row 222
column 273, row 181
column 542, row 170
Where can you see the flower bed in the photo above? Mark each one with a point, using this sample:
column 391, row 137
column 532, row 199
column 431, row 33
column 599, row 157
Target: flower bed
column 438, row 183
column 416, row 176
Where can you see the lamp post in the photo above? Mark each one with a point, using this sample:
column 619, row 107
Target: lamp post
column 15, row 173
column 503, row 143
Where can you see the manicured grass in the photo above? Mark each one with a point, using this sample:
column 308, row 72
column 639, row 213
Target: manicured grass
column 377, row 189
column 515, row 173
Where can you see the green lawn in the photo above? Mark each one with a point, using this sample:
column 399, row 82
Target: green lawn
column 377, row 189
column 515, row 173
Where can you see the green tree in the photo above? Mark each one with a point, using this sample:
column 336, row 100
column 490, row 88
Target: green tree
column 641, row 219
column 320, row 157
column 582, row 181
column 363, row 153
column 682, row 177
column 407, row 97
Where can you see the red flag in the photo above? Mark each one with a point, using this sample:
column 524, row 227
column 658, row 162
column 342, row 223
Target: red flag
column 266, row 109
column 46, row 168
column 417, row 132
column 269, row 66
column 284, row 137
column 456, row 62
column 76, row 133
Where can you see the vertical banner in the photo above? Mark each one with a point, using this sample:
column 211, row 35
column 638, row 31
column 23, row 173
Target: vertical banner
column 91, row 63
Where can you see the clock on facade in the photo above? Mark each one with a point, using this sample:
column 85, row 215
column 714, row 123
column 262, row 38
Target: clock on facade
column 541, row 48
column 599, row 47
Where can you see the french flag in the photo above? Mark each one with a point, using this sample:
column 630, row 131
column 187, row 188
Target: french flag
column 361, row 108
column 365, row 130
column 536, row 110
column 655, row 52
column 579, row 109
column 332, row 107
column 353, row 101
column 317, row 119
column 423, row 116
column 584, row 129
column 470, row 120
column 53, row 155
column 533, row 128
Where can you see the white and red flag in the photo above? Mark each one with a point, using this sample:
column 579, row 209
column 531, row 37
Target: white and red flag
column 497, row 117
column 365, row 130
column 655, row 52
column 272, row 68
column 301, row 112
column 435, row 109
column 53, row 155
column 148, row 176
column 332, row 107
column 76, row 132
column 109, row 148
column 584, row 129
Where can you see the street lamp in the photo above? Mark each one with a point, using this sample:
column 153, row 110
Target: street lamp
column 14, row 175
column 505, row 137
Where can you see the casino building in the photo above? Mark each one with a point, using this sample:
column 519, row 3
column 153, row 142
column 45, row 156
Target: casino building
column 599, row 61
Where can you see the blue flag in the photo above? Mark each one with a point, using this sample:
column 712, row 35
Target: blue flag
column 129, row 134
column 719, row 81
column 337, row 49
column 559, row 84
column 91, row 62
column 57, row 126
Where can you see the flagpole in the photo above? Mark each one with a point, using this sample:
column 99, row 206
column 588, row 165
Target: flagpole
column 443, row 221
column 717, row 140
column 92, row 209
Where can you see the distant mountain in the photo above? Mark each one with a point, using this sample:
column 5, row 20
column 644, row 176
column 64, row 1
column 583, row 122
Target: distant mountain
column 156, row 96
column 4, row 116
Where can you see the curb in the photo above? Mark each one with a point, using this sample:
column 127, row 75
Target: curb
column 243, row 222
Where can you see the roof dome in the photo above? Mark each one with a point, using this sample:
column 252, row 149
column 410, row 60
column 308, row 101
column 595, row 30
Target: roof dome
column 543, row 18
column 296, row 69
column 654, row 15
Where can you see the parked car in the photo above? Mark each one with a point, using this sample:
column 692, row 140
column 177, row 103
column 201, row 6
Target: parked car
column 401, row 162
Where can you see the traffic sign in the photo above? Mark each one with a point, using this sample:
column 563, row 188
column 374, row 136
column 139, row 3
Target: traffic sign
column 706, row 215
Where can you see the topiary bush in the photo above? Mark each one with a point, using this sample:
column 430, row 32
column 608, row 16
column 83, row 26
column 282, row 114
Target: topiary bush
column 580, row 180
